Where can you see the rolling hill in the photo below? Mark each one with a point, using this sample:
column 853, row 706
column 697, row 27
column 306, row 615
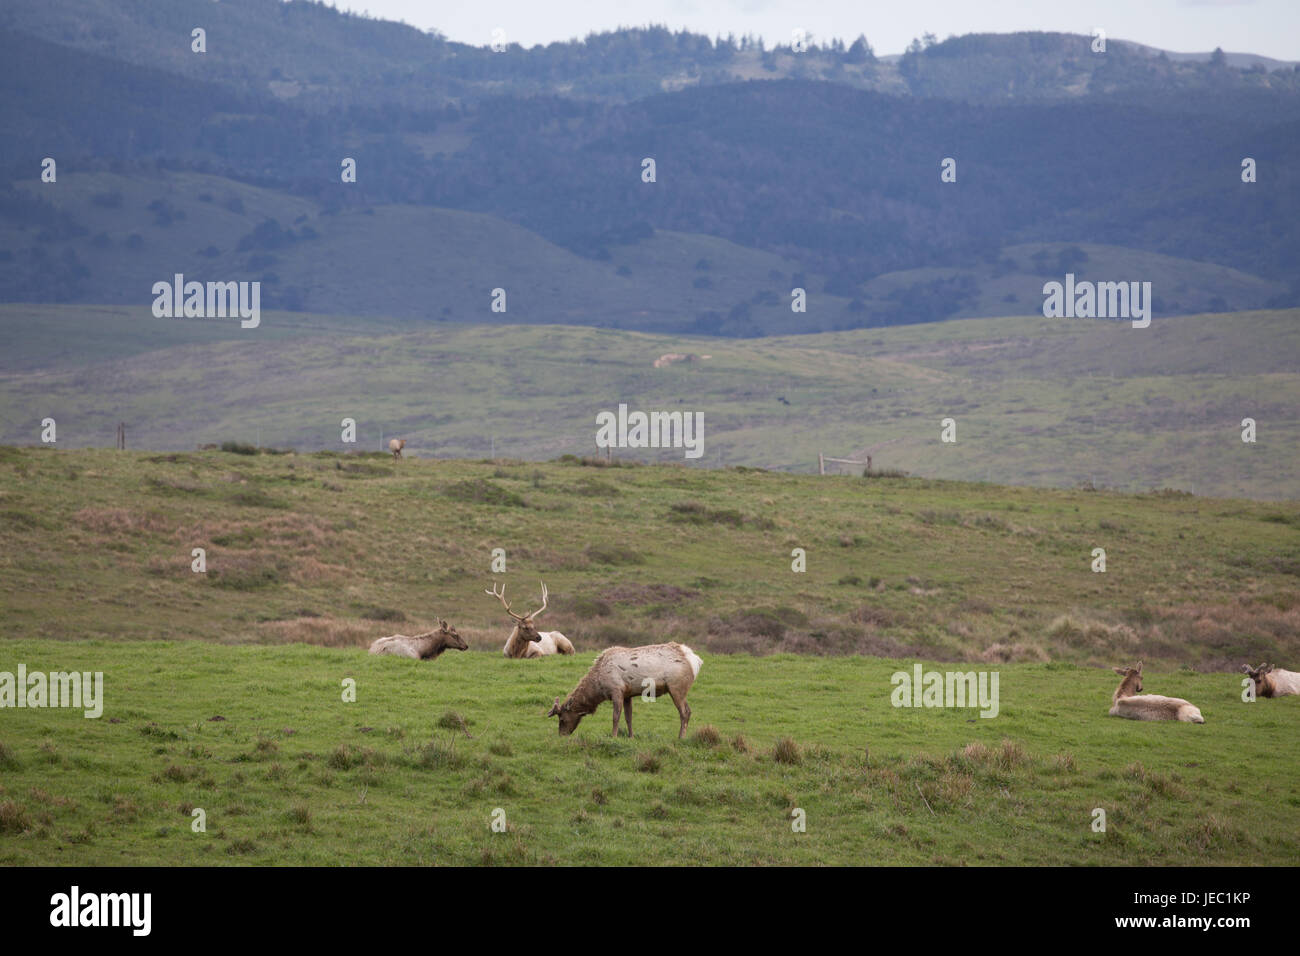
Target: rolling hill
column 315, row 55
column 806, row 174
column 222, row 688
column 107, row 237
column 336, row 549
column 1041, row 402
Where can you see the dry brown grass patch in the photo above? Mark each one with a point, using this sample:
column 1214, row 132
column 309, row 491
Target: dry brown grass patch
column 119, row 521
column 323, row 632
column 1078, row 633
column 1000, row 653
column 1010, row 755
column 309, row 570
column 976, row 752
column 786, row 751
column 1064, row 762
column 707, row 736
column 13, row 817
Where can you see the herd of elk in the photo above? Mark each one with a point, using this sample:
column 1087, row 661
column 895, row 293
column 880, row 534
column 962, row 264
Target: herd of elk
column 524, row 641
column 619, row 674
column 1129, row 701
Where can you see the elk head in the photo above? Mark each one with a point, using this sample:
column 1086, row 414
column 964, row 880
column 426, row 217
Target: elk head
column 1132, row 683
column 568, row 715
column 451, row 637
column 525, row 629
column 1257, row 675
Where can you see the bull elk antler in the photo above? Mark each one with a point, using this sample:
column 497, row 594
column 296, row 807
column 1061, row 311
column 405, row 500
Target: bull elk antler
column 501, row 596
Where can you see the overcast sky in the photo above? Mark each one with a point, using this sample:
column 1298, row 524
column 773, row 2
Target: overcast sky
column 1268, row 27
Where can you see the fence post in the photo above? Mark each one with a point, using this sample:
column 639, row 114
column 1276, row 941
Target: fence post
column 821, row 463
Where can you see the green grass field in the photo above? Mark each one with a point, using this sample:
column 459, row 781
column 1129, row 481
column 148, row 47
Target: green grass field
column 294, row 775
column 333, row 550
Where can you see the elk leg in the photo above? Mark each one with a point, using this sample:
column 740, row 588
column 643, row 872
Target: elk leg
column 618, row 712
column 683, row 708
column 627, row 710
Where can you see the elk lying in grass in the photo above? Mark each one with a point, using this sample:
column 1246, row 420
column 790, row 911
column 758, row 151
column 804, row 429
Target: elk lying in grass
column 621, row 673
column 1130, row 702
column 1271, row 681
column 421, row 647
column 396, row 445
column 526, row 640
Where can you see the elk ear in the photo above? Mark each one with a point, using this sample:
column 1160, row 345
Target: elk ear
column 1120, row 671
column 1139, row 667
column 555, row 708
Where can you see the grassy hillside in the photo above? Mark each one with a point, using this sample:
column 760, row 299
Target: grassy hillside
column 409, row 261
column 123, row 233
column 215, row 697
column 1014, row 284
column 416, row 770
column 337, row 550
column 1039, row 402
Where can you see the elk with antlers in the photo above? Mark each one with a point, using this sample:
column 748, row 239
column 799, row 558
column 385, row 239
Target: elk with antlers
column 526, row 640
column 1272, row 681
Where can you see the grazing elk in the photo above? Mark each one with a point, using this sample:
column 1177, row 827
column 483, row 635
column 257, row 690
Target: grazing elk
column 526, row 640
column 1271, row 681
column 1130, row 702
column 396, row 445
column 620, row 673
column 421, row 647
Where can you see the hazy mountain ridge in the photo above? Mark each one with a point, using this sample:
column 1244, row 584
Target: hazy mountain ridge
column 108, row 237
column 833, row 187
column 325, row 58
